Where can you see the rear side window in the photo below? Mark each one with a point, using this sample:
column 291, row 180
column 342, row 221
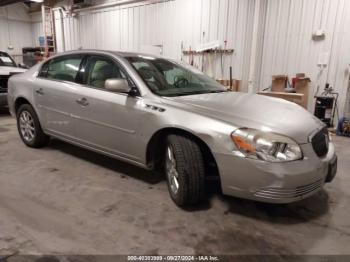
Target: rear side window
column 62, row 68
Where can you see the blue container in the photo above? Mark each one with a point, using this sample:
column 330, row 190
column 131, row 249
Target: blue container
column 343, row 128
column 41, row 40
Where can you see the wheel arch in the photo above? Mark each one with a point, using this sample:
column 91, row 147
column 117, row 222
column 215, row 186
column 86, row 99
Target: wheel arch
column 156, row 147
column 21, row 101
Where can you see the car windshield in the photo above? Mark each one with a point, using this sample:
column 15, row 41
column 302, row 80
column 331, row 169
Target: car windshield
column 6, row 60
column 167, row 78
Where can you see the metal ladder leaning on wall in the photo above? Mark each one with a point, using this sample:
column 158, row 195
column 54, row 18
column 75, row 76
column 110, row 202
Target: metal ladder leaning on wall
column 49, row 30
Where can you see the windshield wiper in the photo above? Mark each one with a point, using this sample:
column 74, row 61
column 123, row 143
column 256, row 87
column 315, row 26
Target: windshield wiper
column 200, row 92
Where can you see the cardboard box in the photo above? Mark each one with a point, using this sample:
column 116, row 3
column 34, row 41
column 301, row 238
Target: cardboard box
column 292, row 97
column 279, row 83
column 302, row 87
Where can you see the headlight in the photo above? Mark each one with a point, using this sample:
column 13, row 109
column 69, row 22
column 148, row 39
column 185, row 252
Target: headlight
column 266, row 146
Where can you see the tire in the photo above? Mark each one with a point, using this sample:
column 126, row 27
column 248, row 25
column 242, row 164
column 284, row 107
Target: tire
column 29, row 127
column 184, row 163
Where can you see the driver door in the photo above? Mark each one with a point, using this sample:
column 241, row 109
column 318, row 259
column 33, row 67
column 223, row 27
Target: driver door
column 108, row 121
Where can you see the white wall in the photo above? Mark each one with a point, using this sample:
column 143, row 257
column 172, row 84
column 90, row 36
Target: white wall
column 15, row 29
column 283, row 30
column 144, row 26
column 288, row 47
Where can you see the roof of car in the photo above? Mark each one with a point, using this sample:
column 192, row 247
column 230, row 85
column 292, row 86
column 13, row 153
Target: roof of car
column 117, row 53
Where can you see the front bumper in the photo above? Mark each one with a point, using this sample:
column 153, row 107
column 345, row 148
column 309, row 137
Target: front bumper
column 276, row 182
column 3, row 99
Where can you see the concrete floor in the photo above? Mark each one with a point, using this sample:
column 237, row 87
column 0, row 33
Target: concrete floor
column 62, row 199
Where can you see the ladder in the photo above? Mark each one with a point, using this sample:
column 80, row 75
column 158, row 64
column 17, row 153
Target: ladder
column 49, row 31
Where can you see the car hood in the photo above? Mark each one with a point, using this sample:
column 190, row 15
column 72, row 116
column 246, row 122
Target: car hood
column 7, row 70
column 252, row 111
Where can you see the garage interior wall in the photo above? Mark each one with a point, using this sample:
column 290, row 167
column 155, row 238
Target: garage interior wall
column 269, row 37
column 15, row 29
column 288, row 47
column 162, row 27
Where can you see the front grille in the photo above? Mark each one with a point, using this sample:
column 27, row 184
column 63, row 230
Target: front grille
column 320, row 142
column 3, row 83
column 282, row 193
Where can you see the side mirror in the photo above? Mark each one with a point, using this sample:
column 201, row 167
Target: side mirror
column 117, row 85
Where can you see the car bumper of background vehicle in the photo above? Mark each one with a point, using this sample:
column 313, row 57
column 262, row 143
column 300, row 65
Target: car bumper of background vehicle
column 276, row 182
column 3, row 99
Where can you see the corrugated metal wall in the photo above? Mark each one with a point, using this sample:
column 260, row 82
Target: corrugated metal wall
column 284, row 41
column 146, row 26
column 288, row 47
column 15, row 29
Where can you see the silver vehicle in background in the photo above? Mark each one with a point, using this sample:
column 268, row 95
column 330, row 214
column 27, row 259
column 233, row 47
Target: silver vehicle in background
column 163, row 115
column 8, row 67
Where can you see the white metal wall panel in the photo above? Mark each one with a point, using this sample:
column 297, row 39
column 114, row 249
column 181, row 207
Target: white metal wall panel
column 285, row 44
column 15, row 29
column 145, row 27
column 288, row 47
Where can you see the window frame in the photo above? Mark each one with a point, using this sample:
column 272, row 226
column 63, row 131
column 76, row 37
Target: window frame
column 47, row 63
column 86, row 65
column 121, row 67
column 81, row 73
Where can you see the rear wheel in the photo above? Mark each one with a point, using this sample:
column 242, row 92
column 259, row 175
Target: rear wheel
column 185, row 170
column 29, row 127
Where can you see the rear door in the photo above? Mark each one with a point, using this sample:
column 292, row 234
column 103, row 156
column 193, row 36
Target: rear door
column 56, row 94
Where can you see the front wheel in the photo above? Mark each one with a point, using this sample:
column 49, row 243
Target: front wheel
column 29, row 127
column 185, row 170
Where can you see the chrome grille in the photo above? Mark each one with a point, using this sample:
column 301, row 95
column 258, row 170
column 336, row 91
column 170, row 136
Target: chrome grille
column 284, row 193
column 320, row 142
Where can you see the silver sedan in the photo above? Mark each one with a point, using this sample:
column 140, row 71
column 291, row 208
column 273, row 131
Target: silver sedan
column 166, row 116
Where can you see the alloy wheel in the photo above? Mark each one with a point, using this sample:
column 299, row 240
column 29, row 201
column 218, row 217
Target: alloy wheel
column 171, row 171
column 26, row 124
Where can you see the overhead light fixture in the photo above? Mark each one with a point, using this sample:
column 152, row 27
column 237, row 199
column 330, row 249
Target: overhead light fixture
column 37, row 1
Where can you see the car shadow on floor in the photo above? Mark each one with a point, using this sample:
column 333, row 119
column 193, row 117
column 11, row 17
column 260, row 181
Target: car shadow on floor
column 4, row 111
column 125, row 169
column 298, row 212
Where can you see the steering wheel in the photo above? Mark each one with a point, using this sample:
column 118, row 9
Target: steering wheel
column 181, row 82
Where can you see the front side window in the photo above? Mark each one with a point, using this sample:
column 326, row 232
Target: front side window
column 6, row 60
column 167, row 78
column 62, row 68
column 99, row 69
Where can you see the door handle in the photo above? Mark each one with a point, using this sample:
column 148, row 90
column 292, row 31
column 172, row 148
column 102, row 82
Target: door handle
column 39, row 91
column 83, row 101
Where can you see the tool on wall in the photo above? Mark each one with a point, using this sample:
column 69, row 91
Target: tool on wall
column 231, row 80
column 182, row 51
column 222, row 60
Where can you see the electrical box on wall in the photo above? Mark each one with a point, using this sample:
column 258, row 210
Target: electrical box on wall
column 319, row 34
